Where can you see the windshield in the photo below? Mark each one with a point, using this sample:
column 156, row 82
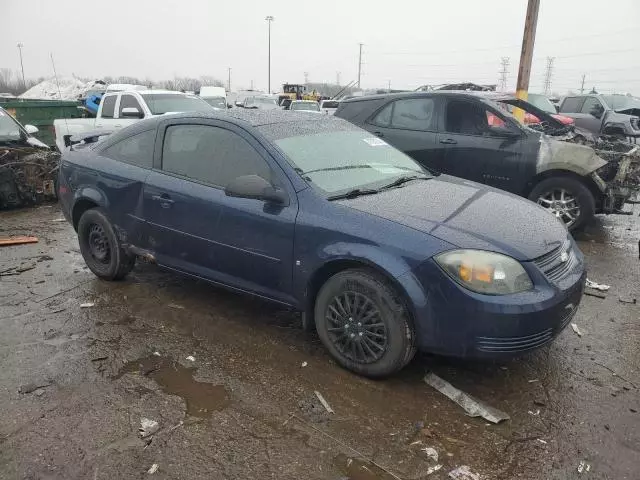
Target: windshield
column 621, row 102
column 330, row 104
column 9, row 128
column 161, row 103
column 309, row 106
column 265, row 101
column 542, row 102
column 337, row 162
column 216, row 102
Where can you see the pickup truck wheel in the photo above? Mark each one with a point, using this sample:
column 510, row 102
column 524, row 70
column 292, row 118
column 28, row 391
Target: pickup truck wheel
column 567, row 198
column 364, row 323
column 101, row 248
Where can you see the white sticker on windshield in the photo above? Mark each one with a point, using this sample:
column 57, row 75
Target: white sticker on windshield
column 385, row 168
column 375, row 142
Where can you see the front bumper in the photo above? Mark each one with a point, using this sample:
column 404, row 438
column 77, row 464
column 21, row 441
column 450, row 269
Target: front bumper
column 454, row 321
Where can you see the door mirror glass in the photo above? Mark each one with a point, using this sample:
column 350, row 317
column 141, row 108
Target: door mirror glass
column 31, row 129
column 504, row 130
column 597, row 111
column 131, row 112
column 255, row 187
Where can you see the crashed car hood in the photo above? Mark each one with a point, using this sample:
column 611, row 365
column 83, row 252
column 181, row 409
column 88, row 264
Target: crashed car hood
column 558, row 155
column 468, row 215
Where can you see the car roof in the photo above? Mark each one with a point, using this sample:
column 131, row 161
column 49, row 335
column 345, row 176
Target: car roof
column 304, row 101
column 400, row 95
column 147, row 92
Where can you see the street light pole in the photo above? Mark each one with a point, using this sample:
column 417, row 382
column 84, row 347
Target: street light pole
column 269, row 19
column 20, row 45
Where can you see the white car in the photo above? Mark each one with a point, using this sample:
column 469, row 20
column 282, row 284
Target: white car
column 304, row 106
column 120, row 109
column 329, row 107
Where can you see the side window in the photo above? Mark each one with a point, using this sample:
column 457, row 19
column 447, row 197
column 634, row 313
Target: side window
column 414, row 114
column 210, row 154
column 128, row 101
column 108, row 106
column 469, row 118
column 383, row 118
column 592, row 106
column 136, row 150
column 571, row 105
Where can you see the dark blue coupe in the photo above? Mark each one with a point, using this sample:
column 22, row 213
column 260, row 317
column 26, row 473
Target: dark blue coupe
column 380, row 255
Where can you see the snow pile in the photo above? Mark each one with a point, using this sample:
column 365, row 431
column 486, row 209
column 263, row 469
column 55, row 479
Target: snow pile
column 70, row 89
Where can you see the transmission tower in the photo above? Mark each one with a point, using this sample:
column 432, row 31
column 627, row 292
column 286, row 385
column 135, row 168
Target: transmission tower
column 306, row 78
column 504, row 61
column 548, row 74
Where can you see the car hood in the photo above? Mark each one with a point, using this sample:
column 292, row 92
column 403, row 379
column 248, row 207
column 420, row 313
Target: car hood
column 467, row 215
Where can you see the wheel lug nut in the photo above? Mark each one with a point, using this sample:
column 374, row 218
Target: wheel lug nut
column 359, row 324
column 350, row 319
column 353, row 335
column 360, row 334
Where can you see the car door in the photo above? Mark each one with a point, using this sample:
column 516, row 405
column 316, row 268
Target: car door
column 482, row 145
column 196, row 228
column 409, row 124
column 591, row 115
column 128, row 101
column 106, row 114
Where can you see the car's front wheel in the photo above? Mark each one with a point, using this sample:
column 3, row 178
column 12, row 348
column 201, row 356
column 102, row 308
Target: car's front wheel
column 364, row 323
column 101, row 248
column 567, row 198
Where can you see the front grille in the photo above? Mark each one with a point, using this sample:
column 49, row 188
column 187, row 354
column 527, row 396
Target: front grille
column 513, row 344
column 552, row 265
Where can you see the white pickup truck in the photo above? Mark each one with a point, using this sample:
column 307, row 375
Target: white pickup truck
column 120, row 109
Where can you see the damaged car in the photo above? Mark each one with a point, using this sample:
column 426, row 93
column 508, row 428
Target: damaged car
column 28, row 167
column 469, row 136
column 614, row 115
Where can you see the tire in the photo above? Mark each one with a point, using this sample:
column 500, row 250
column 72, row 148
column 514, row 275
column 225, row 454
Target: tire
column 353, row 295
column 547, row 194
column 100, row 247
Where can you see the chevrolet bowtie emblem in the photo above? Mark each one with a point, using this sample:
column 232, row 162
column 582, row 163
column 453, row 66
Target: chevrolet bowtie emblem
column 564, row 257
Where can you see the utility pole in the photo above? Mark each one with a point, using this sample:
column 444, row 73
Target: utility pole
column 359, row 64
column 389, row 89
column 229, row 80
column 582, row 86
column 526, row 54
column 306, row 78
column 24, row 83
column 269, row 19
column 251, row 84
column 504, row 61
column 548, row 74
column 338, row 78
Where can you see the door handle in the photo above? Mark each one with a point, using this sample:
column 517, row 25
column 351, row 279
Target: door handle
column 448, row 141
column 164, row 199
column 378, row 134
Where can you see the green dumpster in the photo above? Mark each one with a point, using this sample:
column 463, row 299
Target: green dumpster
column 41, row 114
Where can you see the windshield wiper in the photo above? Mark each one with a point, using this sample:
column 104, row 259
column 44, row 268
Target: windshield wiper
column 404, row 179
column 356, row 192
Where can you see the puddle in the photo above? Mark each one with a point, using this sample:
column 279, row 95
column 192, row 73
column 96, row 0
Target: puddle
column 201, row 398
column 358, row 469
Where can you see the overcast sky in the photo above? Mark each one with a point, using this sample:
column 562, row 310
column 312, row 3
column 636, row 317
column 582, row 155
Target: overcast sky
column 409, row 43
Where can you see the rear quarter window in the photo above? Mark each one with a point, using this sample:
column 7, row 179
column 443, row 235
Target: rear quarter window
column 135, row 150
column 572, row 105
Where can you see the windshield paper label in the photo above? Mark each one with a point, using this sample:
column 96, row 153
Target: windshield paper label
column 375, row 142
column 385, row 168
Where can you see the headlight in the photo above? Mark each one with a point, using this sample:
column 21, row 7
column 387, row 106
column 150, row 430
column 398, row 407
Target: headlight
column 485, row 272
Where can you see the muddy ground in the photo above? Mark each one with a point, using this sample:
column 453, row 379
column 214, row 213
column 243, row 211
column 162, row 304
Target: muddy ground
column 76, row 381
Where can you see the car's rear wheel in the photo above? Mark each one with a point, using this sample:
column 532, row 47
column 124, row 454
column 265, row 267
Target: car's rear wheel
column 100, row 247
column 567, row 198
column 363, row 322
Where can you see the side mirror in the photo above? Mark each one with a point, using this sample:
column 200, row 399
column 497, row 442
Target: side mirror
column 505, row 131
column 31, row 129
column 239, row 104
column 131, row 112
column 597, row 112
column 257, row 188
column 229, row 105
